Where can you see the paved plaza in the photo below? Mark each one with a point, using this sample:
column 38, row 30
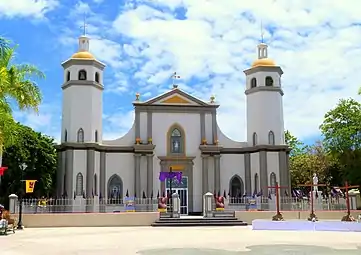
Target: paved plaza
column 177, row 241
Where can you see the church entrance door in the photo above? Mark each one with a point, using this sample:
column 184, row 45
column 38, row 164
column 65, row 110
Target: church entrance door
column 182, row 189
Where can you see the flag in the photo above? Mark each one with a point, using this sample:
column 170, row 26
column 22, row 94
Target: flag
column 144, row 196
column 2, row 170
column 254, row 193
column 100, row 195
column 229, row 193
column 29, row 186
column 74, row 195
column 65, row 194
column 224, row 194
column 244, row 194
column 151, row 195
column 219, row 193
column 127, row 194
column 259, row 194
column 158, row 194
column 269, row 195
column 92, row 193
column 84, row 194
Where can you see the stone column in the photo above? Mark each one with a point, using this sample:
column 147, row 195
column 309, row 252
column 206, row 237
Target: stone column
column 149, row 175
column 214, row 127
column 203, row 126
column 137, row 124
column 102, row 181
column 149, row 125
column 90, row 180
column 137, row 191
column 205, row 187
column 60, row 172
column 69, row 174
column 263, row 175
column 247, row 169
column 217, row 173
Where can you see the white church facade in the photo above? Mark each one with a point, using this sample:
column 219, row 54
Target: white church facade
column 174, row 130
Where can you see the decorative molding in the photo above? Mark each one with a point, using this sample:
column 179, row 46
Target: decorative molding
column 175, row 100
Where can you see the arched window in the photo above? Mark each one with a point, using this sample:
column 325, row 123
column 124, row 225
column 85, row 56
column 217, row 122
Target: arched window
column 65, row 135
column 95, row 185
column 79, row 184
column 82, row 75
column 254, row 139
column 68, row 76
column 176, row 141
column 271, row 138
column 273, row 181
column 96, row 136
column 253, row 82
column 97, row 77
column 269, row 81
column 236, row 188
column 80, row 135
column 256, row 183
column 115, row 190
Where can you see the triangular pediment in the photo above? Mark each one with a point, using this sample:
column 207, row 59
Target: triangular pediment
column 176, row 97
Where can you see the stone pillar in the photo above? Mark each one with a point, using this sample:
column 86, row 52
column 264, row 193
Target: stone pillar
column 214, row 127
column 102, row 181
column 69, row 173
column 60, row 172
column 13, row 202
column 217, row 173
column 248, row 178
column 149, row 125
column 207, row 205
column 137, row 191
column 149, row 175
column 205, row 187
column 90, row 180
column 263, row 175
column 137, row 124
column 203, row 126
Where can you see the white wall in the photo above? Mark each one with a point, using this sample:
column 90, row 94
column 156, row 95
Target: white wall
column 79, row 166
column 143, row 127
column 231, row 165
column 121, row 164
column 208, row 124
column 273, row 165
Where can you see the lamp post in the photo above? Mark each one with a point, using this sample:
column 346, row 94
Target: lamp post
column 20, row 223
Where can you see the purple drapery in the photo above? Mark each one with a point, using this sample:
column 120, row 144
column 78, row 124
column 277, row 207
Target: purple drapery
column 170, row 175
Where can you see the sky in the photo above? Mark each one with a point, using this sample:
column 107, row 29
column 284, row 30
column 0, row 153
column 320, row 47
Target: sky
column 207, row 42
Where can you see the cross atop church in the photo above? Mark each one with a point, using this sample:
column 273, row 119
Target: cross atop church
column 175, row 77
column 84, row 26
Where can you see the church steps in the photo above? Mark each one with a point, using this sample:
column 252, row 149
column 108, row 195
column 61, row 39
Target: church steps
column 193, row 222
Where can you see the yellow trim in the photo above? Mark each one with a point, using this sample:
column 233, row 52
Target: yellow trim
column 178, row 167
column 183, row 139
column 175, row 100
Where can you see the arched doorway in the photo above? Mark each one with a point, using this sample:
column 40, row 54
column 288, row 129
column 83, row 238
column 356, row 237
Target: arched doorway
column 236, row 189
column 115, row 190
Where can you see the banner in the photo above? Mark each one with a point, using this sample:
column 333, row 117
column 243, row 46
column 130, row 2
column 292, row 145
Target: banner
column 129, row 204
column 29, row 186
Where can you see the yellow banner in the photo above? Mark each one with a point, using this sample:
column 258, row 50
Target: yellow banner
column 29, row 186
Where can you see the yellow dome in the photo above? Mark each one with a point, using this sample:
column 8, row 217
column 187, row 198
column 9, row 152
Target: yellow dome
column 83, row 55
column 263, row 62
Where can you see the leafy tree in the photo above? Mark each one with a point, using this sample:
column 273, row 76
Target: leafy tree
column 297, row 147
column 341, row 129
column 38, row 152
column 15, row 84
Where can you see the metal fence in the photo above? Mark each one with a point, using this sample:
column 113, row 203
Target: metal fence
column 80, row 205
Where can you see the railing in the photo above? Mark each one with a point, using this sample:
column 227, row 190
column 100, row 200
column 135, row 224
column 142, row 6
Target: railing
column 81, row 205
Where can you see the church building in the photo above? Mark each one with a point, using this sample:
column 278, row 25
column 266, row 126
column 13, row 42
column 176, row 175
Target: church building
column 174, row 131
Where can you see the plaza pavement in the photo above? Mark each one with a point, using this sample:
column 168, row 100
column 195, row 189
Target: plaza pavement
column 176, row 241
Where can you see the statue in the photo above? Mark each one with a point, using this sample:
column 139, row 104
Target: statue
column 176, row 146
column 219, row 203
column 162, row 204
column 315, row 182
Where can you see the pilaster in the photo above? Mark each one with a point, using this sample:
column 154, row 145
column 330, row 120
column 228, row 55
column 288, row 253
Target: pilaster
column 137, row 188
column 150, row 174
column 247, row 169
column 217, row 172
column 205, row 185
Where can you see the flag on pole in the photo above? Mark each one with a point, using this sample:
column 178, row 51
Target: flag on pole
column 269, row 195
column 2, row 170
column 29, row 186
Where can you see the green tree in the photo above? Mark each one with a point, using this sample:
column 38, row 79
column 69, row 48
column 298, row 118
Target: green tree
column 38, row 152
column 17, row 84
column 341, row 129
column 297, row 147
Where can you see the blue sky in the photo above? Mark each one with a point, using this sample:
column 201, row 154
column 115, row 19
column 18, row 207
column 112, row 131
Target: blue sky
column 209, row 43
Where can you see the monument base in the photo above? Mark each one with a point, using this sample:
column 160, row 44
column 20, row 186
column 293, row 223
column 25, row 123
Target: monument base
column 303, row 225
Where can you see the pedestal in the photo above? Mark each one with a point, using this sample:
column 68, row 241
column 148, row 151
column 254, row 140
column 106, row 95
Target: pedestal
column 317, row 200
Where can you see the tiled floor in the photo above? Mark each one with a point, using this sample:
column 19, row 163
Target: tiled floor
column 177, row 241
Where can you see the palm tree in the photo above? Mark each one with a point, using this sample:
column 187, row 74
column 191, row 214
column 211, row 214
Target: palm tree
column 15, row 84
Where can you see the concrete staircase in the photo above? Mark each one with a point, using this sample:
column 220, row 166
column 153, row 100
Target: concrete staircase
column 188, row 221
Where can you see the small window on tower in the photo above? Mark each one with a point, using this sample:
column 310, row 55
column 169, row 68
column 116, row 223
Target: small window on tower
column 97, row 77
column 68, row 76
column 82, row 75
column 254, row 139
column 65, row 136
column 96, row 136
column 253, row 82
column 269, row 81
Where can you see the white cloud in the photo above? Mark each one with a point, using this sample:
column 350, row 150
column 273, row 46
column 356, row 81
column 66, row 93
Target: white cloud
column 26, row 8
column 315, row 42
